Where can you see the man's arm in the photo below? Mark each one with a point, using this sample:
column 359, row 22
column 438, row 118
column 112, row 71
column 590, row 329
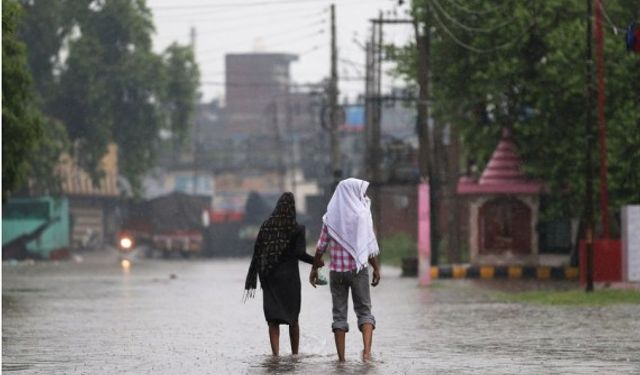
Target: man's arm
column 301, row 245
column 373, row 261
column 317, row 263
column 323, row 242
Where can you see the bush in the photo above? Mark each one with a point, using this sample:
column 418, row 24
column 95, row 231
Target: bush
column 394, row 248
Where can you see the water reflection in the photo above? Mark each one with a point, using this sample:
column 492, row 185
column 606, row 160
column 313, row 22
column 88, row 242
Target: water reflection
column 314, row 364
column 187, row 317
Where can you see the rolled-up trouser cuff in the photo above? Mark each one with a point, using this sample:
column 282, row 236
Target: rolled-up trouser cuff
column 368, row 320
column 340, row 326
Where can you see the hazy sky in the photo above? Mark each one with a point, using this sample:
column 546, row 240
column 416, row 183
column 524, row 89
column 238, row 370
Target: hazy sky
column 292, row 26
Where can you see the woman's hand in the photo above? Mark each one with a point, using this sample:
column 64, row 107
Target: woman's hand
column 313, row 276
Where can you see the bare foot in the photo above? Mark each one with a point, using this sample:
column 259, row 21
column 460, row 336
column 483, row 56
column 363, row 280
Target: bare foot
column 366, row 356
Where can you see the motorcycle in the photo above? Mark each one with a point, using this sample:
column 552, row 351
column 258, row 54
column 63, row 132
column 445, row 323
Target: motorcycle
column 127, row 249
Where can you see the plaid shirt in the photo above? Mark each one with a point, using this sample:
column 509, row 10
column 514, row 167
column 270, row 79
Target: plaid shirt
column 341, row 260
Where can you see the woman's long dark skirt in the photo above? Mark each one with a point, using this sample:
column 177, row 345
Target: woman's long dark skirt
column 281, row 293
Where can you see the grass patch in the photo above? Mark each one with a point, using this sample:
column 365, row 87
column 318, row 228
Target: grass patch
column 601, row 297
column 437, row 284
column 396, row 247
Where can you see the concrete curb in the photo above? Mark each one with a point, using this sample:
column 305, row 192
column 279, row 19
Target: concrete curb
column 504, row 272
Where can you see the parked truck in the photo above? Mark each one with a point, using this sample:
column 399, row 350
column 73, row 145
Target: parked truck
column 169, row 225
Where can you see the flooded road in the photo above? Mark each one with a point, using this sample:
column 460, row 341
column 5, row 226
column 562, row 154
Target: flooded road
column 187, row 317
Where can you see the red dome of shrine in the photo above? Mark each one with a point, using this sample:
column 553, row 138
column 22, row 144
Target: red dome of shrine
column 503, row 173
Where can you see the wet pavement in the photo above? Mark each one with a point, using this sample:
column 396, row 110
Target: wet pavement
column 187, row 317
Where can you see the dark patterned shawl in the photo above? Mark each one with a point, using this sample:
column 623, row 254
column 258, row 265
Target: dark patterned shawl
column 272, row 242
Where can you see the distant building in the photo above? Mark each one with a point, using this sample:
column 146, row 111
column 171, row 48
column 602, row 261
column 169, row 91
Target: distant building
column 271, row 127
column 266, row 138
column 256, row 86
column 188, row 166
column 179, row 178
column 93, row 209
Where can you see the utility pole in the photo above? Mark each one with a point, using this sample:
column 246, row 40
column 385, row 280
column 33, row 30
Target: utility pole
column 196, row 135
column 604, row 194
column 375, row 135
column 589, row 167
column 377, row 113
column 373, row 93
column 279, row 145
column 293, row 142
column 368, row 104
column 427, row 174
column 422, row 43
column 373, row 113
column 373, row 102
column 336, row 169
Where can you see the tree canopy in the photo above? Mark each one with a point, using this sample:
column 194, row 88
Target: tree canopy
column 95, row 72
column 21, row 121
column 521, row 65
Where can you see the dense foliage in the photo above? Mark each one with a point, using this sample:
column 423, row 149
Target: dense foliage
column 522, row 65
column 21, row 121
column 96, row 74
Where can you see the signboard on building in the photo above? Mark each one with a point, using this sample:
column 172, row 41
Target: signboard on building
column 631, row 243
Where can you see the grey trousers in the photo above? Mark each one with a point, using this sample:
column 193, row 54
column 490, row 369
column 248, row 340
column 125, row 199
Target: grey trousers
column 340, row 283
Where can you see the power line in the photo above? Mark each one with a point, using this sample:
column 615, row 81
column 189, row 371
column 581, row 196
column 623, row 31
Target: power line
column 472, row 48
column 277, row 45
column 273, row 84
column 299, row 38
column 298, row 54
column 260, row 26
column 237, row 4
column 316, row 16
column 467, row 10
column 309, row 51
column 470, row 28
column 224, row 16
column 616, row 29
column 352, row 63
column 278, row 33
column 258, row 84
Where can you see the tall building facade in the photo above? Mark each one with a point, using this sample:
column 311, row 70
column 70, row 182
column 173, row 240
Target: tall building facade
column 256, row 88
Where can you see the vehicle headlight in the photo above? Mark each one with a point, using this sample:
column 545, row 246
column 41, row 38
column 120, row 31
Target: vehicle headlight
column 126, row 243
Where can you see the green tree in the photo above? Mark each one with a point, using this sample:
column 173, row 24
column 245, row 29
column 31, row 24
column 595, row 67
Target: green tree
column 45, row 27
column 110, row 86
column 108, row 83
column 181, row 92
column 21, row 122
column 521, row 65
column 44, row 160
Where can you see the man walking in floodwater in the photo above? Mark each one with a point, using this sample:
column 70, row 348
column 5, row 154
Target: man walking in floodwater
column 347, row 231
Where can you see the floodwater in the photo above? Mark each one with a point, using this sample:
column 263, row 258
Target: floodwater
column 187, row 317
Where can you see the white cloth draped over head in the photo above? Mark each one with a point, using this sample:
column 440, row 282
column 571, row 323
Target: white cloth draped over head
column 349, row 222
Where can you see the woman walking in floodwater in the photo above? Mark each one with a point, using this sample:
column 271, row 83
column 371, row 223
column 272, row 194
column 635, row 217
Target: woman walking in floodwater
column 281, row 242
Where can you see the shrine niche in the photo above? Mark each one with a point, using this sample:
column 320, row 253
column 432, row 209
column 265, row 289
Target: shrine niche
column 502, row 210
column 505, row 225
